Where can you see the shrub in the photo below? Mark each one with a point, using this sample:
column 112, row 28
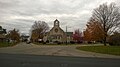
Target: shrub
column 79, row 42
column 89, row 42
column 44, row 42
column 114, row 40
column 72, row 42
column 59, row 43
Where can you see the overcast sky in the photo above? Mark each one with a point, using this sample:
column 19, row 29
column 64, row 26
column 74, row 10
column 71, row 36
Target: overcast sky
column 21, row 14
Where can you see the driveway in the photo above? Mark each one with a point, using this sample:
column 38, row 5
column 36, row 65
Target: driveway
column 55, row 50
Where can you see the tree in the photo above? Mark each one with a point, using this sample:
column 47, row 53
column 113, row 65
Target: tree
column 77, row 36
column 94, row 31
column 114, row 40
column 39, row 28
column 109, row 18
column 2, row 34
column 87, row 35
column 14, row 35
column 2, row 31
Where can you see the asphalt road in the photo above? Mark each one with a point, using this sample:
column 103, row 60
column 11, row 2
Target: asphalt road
column 30, row 55
column 26, row 60
column 54, row 50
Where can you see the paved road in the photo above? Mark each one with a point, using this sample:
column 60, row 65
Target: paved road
column 70, row 50
column 26, row 60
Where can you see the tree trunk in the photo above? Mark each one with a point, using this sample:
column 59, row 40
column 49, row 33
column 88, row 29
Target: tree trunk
column 105, row 33
column 105, row 38
column 104, row 41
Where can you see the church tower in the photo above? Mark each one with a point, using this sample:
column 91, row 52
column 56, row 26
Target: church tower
column 56, row 23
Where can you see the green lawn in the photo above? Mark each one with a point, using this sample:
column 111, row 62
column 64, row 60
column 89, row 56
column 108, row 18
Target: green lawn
column 6, row 44
column 113, row 50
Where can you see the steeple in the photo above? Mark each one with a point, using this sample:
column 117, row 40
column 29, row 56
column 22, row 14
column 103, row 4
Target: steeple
column 56, row 23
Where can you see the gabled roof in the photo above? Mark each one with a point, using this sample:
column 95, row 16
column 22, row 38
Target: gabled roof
column 25, row 36
column 56, row 20
column 58, row 27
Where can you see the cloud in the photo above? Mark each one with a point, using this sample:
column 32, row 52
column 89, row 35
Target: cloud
column 21, row 14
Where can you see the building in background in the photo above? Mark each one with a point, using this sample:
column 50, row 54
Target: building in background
column 2, row 34
column 24, row 38
column 57, row 35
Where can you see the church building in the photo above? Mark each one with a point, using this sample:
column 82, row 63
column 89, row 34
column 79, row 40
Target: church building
column 56, row 34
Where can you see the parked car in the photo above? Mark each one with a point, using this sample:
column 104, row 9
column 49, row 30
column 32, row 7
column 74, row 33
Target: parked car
column 28, row 42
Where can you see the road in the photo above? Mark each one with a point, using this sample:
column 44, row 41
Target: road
column 26, row 60
column 31, row 55
column 54, row 50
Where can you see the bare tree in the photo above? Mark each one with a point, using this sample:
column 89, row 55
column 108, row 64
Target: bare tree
column 39, row 28
column 109, row 17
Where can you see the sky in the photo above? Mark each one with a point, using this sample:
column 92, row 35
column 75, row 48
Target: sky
column 21, row 14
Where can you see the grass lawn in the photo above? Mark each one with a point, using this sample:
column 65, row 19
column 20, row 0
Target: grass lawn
column 113, row 50
column 6, row 44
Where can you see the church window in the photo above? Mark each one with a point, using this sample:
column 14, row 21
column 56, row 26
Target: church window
column 56, row 30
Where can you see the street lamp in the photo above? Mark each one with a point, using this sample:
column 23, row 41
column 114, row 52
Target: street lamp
column 66, row 34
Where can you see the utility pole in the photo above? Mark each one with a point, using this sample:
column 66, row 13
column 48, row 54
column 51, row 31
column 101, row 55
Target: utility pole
column 66, row 35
